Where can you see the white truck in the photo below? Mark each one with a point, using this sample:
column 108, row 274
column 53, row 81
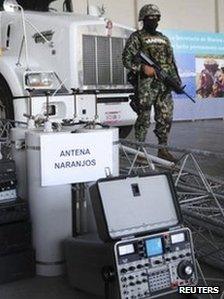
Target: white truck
column 72, row 60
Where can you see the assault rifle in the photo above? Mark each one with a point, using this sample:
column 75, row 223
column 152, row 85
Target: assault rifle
column 163, row 76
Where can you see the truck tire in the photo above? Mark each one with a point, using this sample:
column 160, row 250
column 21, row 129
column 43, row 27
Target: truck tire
column 124, row 131
column 6, row 100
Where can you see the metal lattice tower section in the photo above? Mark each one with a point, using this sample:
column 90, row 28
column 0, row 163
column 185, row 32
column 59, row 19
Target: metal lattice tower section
column 201, row 197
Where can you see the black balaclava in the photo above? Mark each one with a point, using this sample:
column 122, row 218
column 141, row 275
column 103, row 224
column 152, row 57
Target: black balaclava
column 150, row 23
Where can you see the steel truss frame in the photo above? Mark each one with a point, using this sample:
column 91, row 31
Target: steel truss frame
column 201, row 197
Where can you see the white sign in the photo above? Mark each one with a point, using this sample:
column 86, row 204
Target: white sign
column 74, row 158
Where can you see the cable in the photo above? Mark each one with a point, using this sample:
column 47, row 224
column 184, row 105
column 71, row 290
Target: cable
column 203, row 277
column 107, row 290
column 214, row 279
column 108, row 276
column 38, row 31
column 59, row 87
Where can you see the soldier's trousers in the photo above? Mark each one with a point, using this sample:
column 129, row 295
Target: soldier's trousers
column 163, row 108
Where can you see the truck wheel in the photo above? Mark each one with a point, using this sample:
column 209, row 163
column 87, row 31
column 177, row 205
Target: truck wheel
column 124, row 131
column 6, row 100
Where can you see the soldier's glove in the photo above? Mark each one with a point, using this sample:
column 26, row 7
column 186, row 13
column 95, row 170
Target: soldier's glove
column 135, row 104
column 138, row 106
column 135, row 107
column 179, row 88
column 149, row 71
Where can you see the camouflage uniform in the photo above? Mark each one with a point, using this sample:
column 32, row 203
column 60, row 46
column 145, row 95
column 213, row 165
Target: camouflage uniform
column 151, row 91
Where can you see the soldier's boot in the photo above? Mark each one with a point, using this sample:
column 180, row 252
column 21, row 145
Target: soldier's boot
column 163, row 153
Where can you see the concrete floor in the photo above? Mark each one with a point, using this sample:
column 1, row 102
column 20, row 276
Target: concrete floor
column 204, row 135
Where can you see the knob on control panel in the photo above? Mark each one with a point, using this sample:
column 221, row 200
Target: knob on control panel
column 167, row 263
column 185, row 269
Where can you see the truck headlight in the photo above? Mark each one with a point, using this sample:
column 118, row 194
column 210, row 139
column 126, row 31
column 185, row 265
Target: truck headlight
column 41, row 80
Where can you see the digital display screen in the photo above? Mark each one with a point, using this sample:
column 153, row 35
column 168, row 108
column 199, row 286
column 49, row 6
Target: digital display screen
column 177, row 238
column 126, row 249
column 154, row 247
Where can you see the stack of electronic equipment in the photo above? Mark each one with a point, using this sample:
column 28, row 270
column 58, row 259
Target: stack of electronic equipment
column 144, row 251
column 16, row 253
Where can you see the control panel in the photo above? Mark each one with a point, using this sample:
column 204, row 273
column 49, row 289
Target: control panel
column 8, row 181
column 155, row 265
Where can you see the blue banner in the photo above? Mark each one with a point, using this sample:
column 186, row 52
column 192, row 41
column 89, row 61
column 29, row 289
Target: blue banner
column 196, row 42
column 200, row 61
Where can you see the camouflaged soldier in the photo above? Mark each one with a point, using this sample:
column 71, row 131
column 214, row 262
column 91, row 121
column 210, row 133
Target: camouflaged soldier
column 151, row 91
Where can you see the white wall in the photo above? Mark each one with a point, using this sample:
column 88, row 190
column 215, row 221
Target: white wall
column 119, row 11
column 196, row 15
column 220, row 16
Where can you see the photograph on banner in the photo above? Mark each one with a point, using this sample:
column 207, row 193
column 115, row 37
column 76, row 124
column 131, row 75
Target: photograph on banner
column 200, row 61
column 210, row 76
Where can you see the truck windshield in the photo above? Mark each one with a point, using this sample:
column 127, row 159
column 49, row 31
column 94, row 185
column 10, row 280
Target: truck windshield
column 44, row 5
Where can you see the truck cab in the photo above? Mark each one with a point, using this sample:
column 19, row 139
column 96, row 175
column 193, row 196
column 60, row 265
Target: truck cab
column 67, row 65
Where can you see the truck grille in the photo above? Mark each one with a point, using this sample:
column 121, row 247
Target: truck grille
column 102, row 60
